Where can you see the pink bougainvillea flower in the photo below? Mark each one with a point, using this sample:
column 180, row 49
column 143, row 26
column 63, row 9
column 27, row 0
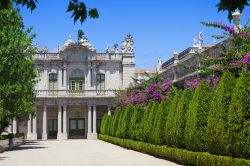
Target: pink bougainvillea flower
column 245, row 59
column 218, row 69
column 165, row 88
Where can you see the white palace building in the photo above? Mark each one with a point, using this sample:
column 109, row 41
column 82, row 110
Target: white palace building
column 75, row 88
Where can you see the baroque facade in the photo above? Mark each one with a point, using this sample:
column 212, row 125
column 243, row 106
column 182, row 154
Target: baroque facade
column 75, row 88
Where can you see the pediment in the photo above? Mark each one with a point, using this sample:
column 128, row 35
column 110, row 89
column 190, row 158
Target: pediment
column 75, row 53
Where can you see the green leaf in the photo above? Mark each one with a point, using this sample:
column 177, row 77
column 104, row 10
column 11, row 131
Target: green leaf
column 93, row 13
column 71, row 7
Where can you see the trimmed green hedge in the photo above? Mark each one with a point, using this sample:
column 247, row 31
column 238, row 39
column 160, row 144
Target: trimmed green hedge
column 203, row 120
column 196, row 119
column 181, row 156
column 239, row 118
column 217, row 127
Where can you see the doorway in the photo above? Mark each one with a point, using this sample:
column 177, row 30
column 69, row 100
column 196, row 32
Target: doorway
column 52, row 128
column 76, row 127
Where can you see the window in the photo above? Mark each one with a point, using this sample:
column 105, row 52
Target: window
column 80, row 85
column 77, row 83
column 73, row 85
column 52, row 81
column 100, row 81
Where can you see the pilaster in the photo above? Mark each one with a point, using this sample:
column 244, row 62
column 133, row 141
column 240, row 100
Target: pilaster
column 59, row 125
column 44, row 133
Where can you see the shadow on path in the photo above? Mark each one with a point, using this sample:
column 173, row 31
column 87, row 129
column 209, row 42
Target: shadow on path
column 28, row 145
column 2, row 158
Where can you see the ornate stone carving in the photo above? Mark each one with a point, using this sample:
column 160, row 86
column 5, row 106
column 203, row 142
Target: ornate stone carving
column 81, row 42
column 128, row 45
column 69, row 41
column 76, row 73
column 84, row 42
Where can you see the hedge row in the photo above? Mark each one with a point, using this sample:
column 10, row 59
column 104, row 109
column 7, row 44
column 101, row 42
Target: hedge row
column 181, row 156
column 202, row 120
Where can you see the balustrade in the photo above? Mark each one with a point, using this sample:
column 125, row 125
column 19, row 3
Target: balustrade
column 75, row 93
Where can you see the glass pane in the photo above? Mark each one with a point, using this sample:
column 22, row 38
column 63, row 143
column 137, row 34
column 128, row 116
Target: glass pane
column 102, row 85
column 55, row 77
column 80, row 124
column 72, row 124
column 50, row 126
column 73, row 85
column 98, row 124
column 55, row 85
column 98, row 76
column 55, row 125
column 51, row 85
column 80, row 85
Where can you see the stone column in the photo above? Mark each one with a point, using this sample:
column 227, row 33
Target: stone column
column 65, row 120
column 109, row 110
column 88, row 81
column 59, row 120
column 44, row 134
column 108, row 79
column 94, row 119
column 14, row 124
column 65, row 78
column 89, row 120
column 45, row 78
column 174, row 72
column 34, row 132
column 59, row 79
column 29, row 134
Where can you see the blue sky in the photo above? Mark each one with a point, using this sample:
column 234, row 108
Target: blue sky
column 159, row 27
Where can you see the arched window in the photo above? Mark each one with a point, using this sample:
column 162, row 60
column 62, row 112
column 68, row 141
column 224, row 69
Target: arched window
column 52, row 81
column 100, row 81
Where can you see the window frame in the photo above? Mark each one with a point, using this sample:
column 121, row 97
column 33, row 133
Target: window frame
column 100, row 81
column 53, row 80
column 71, row 84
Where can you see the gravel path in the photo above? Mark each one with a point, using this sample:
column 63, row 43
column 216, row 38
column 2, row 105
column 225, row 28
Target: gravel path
column 77, row 153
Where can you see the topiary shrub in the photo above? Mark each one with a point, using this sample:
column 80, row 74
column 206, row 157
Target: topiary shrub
column 126, row 121
column 217, row 134
column 119, row 123
column 103, row 124
column 135, row 122
column 180, row 119
column 107, row 125
column 144, row 133
column 161, row 118
column 239, row 118
column 114, row 122
column 196, row 119
column 151, row 121
column 170, row 130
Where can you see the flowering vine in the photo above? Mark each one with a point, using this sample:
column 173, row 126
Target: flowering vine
column 142, row 93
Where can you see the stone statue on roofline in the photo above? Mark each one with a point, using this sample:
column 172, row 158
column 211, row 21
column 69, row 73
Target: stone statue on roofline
column 107, row 50
column 201, row 40
column 159, row 64
column 69, row 41
column 116, row 48
column 44, row 50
